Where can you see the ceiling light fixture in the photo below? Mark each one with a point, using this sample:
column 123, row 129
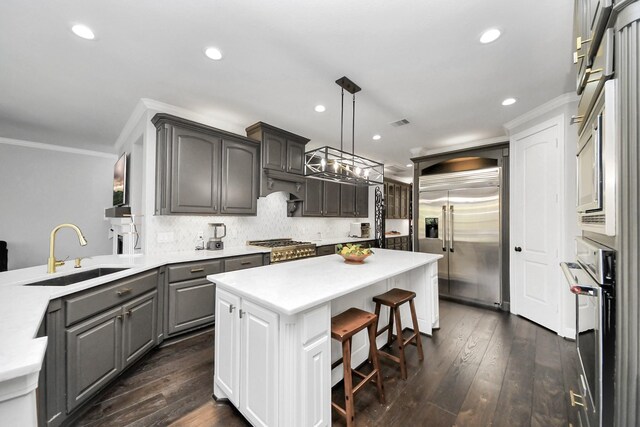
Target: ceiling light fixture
column 320, row 109
column 213, row 53
column 330, row 164
column 490, row 35
column 376, row 137
column 409, row 165
column 83, row 31
column 509, row 101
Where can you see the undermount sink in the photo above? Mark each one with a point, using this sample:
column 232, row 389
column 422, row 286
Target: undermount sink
column 70, row 279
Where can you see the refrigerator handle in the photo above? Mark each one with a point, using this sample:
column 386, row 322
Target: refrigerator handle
column 451, row 228
column 444, row 228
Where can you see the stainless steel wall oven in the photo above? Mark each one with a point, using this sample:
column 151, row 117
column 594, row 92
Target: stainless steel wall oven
column 592, row 279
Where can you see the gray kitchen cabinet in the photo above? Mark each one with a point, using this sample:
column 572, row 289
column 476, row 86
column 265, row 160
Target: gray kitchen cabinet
column 201, row 170
column 354, row 201
column 331, row 199
column 140, row 327
column 240, row 178
column 397, row 199
column 190, row 296
column 314, row 197
column 94, row 355
column 242, row 262
column 281, row 150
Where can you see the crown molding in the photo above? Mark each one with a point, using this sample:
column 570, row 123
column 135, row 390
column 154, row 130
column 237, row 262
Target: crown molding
column 558, row 102
column 459, row 147
column 60, row 148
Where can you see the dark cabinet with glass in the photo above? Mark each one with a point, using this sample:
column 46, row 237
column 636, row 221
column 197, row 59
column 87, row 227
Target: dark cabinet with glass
column 397, row 196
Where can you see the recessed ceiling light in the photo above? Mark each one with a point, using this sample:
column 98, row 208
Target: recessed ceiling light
column 376, row 137
column 320, row 108
column 409, row 165
column 213, row 53
column 490, row 35
column 83, row 31
column 509, row 101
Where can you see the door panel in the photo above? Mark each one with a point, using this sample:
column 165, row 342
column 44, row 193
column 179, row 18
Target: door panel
column 313, row 198
column 140, row 322
column 295, row 156
column 227, row 345
column 239, row 187
column 535, row 214
column 474, row 244
column 432, row 232
column 347, row 200
column 331, row 199
column 274, row 152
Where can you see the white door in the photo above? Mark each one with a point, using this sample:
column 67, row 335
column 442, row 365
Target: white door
column 259, row 366
column 536, row 223
column 227, row 345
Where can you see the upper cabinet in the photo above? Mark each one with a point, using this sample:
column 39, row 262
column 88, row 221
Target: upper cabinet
column 322, row 198
column 282, row 159
column 354, row 201
column 201, row 170
column 397, row 197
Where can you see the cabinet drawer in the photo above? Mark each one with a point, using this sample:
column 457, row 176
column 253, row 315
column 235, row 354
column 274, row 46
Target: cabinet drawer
column 326, row 250
column 191, row 304
column 94, row 301
column 194, row 270
column 240, row 263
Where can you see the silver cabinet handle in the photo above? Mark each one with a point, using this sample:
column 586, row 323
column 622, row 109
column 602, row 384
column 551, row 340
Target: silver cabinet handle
column 197, row 269
column 245, row 263
column 123, row 291
column 451, row 228
column 231, row 308
column 240, row 313
column 444, row 228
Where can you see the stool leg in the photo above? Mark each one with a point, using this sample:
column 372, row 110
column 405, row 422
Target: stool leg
column 348, row 382
column 416, row 330
column 390, row 334
column 376, row 363
column 403, row 362
column 377, row 326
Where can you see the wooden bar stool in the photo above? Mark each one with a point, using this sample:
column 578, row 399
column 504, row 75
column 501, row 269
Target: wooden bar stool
column 344, row 326
column 394, row 299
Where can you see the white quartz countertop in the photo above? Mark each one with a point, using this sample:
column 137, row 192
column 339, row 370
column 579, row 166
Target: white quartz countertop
column 22, row 308
column 291, row 287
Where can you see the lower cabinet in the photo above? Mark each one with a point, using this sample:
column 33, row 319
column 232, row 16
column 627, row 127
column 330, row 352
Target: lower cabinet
column 190, row 305
column 249, row 382
column 99, row 348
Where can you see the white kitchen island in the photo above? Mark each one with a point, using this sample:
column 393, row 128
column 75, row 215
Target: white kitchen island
column 273, row 346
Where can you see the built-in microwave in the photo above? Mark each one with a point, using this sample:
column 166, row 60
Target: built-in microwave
column 596, row 167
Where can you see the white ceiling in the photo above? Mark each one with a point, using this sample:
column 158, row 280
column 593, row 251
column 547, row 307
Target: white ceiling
column 414, row 59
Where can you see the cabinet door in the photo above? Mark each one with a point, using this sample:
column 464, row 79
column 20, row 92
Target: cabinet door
column 386, row 200
column 140, row 326
column 295, row 157
column 362, row 202
column 397, row 205
column 404, row 202
column 347, row 200
column 94, row 355
column 274, row 152
column 239, row 186
column 195, row 160
column 391, row 201
column 331, row 199
column 258, row 386
column 227, row 345
column 313, row 199
column 191, row 304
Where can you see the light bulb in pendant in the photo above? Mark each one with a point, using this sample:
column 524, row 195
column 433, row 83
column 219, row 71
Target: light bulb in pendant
column 366, row 173
column 358, row 170
column 323, row 163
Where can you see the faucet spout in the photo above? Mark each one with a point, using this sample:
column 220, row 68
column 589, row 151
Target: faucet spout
column 52, row 263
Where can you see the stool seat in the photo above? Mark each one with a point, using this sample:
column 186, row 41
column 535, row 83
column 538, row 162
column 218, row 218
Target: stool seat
column 350, row 322
column 343, row 327
column 395, row 297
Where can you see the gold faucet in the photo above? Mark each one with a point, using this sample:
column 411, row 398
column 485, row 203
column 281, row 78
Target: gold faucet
column 52, row 263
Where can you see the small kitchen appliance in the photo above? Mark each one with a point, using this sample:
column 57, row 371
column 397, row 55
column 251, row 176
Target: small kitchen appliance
column 215, row 243
column 286, row 249
column 360, row 229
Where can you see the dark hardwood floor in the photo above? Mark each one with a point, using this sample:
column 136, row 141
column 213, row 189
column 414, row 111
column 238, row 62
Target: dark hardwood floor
column 481, row 368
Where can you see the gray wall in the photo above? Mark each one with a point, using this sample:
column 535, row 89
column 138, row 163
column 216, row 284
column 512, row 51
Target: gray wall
column 41, row 187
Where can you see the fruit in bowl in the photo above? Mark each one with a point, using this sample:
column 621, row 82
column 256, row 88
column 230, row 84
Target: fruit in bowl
column 353, row 253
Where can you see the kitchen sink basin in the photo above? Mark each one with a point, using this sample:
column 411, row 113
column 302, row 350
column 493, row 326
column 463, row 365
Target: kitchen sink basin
column 70, row 279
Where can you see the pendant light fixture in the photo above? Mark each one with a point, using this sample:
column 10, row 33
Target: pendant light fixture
column 330, row 164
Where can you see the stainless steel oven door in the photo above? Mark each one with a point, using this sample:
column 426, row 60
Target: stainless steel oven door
column 589, row 168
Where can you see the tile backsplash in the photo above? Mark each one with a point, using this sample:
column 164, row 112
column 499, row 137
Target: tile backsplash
column 270, row 223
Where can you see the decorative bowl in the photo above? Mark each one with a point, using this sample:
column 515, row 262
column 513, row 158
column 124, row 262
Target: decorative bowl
column 354, row 259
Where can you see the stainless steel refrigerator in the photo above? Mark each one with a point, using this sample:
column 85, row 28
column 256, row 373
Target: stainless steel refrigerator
column 459, row 217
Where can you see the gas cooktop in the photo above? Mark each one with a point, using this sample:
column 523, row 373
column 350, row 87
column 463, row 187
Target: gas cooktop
column 286, row 249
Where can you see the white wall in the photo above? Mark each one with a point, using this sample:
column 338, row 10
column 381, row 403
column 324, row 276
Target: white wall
column 42, row 186
column 566, row 106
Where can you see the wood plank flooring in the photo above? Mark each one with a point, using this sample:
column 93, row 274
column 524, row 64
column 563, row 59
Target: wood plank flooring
column 482, row 367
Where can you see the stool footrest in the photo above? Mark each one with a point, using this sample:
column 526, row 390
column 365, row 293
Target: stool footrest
column 339, row 408
column 389, row 356
column 366, row 379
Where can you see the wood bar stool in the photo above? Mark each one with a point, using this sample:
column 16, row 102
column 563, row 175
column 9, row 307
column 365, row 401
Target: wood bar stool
column 344, row 326
column 394, row 299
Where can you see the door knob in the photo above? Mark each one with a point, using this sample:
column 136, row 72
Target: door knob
column 518, row 249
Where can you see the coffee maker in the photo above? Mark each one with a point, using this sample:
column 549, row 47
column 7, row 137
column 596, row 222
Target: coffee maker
column 219, row 231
